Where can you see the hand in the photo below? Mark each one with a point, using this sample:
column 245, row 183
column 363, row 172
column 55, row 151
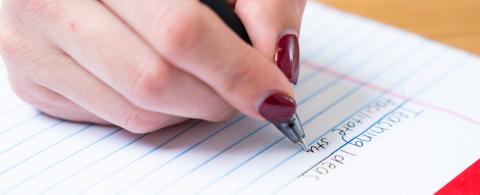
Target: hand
column 147, row 64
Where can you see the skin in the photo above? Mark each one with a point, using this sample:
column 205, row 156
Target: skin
column 144, row 64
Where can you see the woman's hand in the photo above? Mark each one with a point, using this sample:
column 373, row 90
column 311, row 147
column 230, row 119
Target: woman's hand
column 147, row 64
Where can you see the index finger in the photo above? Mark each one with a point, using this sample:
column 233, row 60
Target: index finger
column 191, row 36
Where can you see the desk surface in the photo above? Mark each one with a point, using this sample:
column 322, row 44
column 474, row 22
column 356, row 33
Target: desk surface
column 453, row 22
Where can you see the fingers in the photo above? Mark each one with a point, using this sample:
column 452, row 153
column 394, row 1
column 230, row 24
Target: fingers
column 193, row 38
column 62, row 75
column 42, row 65
column 21, row 62
column 274, row 26
column 112, row 52
column 53, row 103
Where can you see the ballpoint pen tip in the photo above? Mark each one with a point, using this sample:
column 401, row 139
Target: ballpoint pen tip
column 303, row 144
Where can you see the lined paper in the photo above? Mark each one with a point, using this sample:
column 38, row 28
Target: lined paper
column 385, row 111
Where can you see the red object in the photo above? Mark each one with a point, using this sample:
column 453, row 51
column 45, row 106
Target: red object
column 468, row 182
column 287, row 57
column 278, row 108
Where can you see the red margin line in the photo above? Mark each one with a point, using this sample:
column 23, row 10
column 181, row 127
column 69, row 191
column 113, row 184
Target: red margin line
column 395, row 94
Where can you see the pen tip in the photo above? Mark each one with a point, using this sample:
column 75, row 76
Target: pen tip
column 303, row 144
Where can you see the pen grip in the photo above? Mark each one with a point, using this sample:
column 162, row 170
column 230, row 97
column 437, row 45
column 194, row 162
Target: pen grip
column 226, row 13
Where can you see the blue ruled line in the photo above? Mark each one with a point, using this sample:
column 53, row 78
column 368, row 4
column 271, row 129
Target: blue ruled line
column 354, row 68
column 188, row 149
column 146, row 154
column 420, row 68
column 92, row 164
column 43, row 150
column 339, row 100
column 131, row 142
column 308, row 77
column 11, row 109
column 60, row 161
column 50, row 127
column 331, row 41
column 21, row 123
column 336, row 59
column 5, row 94
column 428, row 86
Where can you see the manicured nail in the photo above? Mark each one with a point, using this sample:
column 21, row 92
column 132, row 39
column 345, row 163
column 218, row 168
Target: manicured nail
column 287, row 56
column 278, row 108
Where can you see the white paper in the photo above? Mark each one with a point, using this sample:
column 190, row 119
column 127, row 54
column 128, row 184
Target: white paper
column 388, row 111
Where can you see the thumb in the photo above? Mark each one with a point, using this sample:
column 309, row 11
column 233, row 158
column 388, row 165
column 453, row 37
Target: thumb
column 273, row 26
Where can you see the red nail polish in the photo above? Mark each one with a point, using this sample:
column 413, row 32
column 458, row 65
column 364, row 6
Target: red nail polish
column 278, row 108
column 287, row 57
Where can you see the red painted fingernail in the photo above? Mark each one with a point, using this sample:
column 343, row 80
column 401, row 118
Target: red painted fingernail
column 278, row 108
column 287, row 57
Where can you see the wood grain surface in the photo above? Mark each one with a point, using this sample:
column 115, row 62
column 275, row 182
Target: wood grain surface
column 453, row 22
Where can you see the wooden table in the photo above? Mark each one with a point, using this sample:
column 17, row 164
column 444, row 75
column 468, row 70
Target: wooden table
column 453, row 22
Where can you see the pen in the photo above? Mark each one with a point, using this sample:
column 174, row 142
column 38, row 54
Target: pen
column 292, row 128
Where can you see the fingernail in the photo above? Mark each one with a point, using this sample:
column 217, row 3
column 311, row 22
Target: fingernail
column 287, row 56
column 278, row 108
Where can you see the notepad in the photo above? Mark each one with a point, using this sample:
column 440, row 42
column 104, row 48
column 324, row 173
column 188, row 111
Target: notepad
column 385, row 112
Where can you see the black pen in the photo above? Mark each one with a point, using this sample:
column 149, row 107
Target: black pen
column 292, row 128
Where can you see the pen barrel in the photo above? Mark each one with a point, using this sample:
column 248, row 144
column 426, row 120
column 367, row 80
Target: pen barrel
column 228, row 16
column 292, row 129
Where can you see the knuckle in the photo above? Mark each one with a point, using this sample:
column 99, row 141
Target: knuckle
column 150, row 84
column 140, row 121
column 227, row 112
column 135, row 122
column 181, row 30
